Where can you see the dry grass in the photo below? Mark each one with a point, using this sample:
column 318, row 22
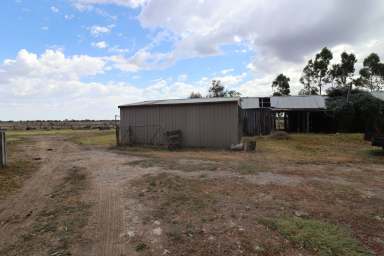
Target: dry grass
column 225, row 217
column 12, row 177
column 339, row 196
column 57, row 226
column 331, row 148
column 20, row 166
column 315, row 154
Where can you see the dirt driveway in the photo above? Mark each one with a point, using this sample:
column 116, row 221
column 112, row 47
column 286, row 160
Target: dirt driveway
column 92, row 201
column 104, row 175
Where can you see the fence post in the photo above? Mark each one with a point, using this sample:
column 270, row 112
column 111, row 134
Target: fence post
column 3, row 150
column 118, row 135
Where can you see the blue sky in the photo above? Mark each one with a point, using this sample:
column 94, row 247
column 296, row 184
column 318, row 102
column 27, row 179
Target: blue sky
column 82, row 58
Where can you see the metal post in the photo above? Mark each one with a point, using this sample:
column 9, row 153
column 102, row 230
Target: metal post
column 3, row 150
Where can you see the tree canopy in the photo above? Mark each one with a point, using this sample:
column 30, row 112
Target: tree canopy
column 372, row 73
column 343, row 72
column 316, row 73
column 281, row 86
column 195, row 95
column 218, row 90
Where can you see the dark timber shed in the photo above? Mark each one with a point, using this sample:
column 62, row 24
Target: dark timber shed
column 206, row 122
column 289, row 113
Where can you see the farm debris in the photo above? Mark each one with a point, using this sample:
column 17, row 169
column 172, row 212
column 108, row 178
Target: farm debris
column 237, row 147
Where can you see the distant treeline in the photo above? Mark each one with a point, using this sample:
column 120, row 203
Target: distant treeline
column 57, row 124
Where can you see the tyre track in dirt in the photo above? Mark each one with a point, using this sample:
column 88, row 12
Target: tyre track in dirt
column 18, row 210
column 108, row 223
column 107, row 175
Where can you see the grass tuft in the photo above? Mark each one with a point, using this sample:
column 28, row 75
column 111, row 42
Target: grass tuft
column 323, row 238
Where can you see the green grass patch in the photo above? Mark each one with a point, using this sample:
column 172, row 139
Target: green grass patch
column 325, row 239
column 102, row 138
column 20, row 135
column 83, row 137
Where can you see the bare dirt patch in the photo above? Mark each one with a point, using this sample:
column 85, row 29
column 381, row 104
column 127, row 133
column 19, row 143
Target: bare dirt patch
column 220, row 216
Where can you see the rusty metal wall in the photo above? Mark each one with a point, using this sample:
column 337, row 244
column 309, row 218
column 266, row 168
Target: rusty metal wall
column 202, row 125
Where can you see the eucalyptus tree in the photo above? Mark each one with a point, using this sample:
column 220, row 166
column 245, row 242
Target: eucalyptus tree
column 343, row 73
column 372, row 73
column 316, row 72
column 281, row 85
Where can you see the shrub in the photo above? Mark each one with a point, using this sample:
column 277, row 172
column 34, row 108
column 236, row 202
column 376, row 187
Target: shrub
column 362, row 113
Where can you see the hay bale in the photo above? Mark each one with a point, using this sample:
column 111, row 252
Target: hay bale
column 280, row 135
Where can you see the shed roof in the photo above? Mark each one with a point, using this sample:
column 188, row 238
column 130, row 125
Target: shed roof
column 287, row 102
column 298, row 102
column 180, row 101
column 250, row 102
column 379, row 95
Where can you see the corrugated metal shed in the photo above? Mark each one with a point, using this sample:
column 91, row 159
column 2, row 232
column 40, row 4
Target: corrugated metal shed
column 203, row 122
column 180, row 101
column 250, row 103
column 379, row 95
column 298, row 102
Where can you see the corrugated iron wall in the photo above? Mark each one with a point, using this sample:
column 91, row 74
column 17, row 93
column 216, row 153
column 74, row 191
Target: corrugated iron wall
column 202, row 125
column 256, row 121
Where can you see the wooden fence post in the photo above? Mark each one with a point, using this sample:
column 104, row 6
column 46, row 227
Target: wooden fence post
column 3, row 150
column 118, row 135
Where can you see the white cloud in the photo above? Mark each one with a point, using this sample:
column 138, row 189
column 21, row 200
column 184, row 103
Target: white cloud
column 118, row 49
column 99, row 30
column 54, row 9
column 227, row 71
column 51, row 86
column 83, row 4
column 45, row 28
column 69, row 16
column 100, row 45
column 280, row 34
column 182, row 78
column 287, row 29
column 51, row 64
column 142, row 60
